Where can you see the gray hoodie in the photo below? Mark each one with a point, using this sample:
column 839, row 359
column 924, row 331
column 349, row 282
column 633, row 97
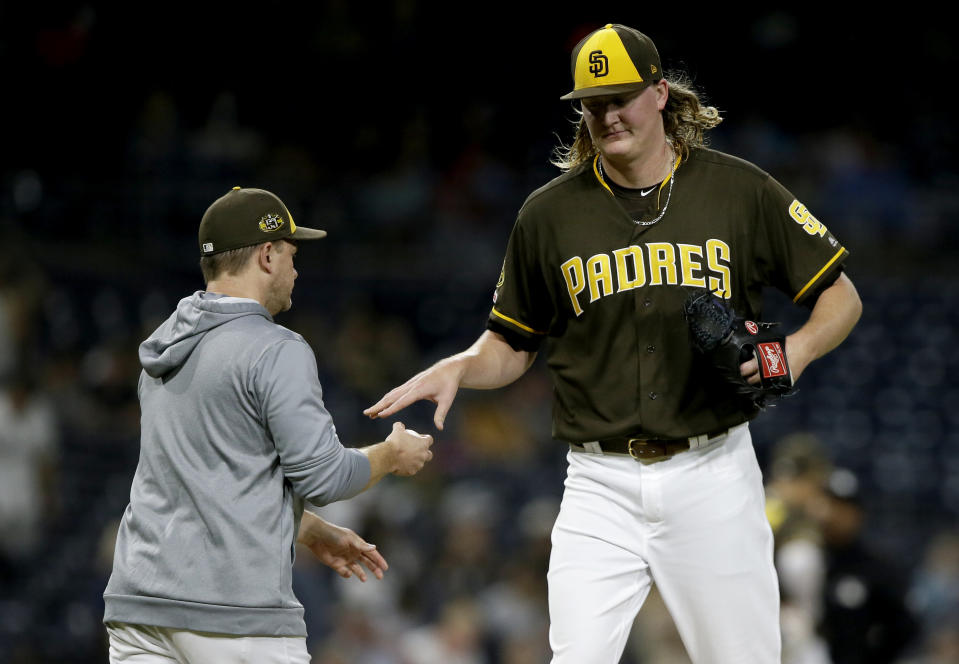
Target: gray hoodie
column 234, row 436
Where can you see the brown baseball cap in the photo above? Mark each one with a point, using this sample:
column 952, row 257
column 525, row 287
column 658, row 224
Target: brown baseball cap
column 243, row 217
column 612, row 60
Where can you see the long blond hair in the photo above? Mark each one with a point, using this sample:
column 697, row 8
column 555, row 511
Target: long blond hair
column 685, row 120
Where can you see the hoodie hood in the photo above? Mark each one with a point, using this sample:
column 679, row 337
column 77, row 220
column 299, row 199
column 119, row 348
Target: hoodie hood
column 171, row 344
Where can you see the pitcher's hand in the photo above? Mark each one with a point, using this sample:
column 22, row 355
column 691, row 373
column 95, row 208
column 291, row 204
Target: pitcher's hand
column 438, row 384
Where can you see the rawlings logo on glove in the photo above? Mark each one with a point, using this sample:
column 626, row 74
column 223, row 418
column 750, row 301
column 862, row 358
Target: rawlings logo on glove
column 773, row 359
column 725, row 341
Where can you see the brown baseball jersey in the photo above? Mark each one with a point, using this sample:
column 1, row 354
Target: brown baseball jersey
column 606, row 293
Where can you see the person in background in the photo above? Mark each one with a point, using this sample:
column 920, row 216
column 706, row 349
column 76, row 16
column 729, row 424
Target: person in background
column 29, row 466
column 865, row 619
column 798, row 468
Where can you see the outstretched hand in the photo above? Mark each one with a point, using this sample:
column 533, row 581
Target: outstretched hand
column 438, row 384
column 341, row 549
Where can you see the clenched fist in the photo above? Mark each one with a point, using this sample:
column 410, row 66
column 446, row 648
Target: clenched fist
column 411, row 450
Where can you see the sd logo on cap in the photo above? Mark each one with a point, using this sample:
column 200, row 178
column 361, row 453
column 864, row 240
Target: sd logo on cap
column 613, row 60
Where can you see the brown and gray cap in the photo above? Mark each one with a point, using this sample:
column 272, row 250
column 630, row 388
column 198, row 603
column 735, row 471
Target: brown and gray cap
column 243, row 217
column 612, row 60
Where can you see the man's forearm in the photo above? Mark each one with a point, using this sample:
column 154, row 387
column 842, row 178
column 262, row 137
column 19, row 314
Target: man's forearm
column 382, row 458
column 833, row 317
column 491, row 362
column 310, row 527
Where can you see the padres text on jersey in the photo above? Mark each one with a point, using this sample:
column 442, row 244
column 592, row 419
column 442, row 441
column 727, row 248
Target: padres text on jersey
column 652, row 264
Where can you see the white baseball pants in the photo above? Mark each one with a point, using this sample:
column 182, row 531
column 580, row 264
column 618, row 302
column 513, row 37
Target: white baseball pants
column 695, row 525
column 143, row 644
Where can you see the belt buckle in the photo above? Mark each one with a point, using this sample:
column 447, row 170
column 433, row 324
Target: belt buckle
column 644, row 449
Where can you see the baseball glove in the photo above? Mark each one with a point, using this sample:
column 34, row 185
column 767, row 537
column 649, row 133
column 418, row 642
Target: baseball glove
column 725, row 340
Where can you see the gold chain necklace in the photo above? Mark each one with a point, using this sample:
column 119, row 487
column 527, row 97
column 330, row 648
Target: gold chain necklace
column 669, row 193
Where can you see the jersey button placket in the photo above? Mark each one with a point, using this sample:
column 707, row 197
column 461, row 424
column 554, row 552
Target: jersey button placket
column 646, row 358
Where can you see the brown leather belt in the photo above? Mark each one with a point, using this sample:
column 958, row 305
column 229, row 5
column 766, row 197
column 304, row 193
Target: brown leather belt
column 646, row 448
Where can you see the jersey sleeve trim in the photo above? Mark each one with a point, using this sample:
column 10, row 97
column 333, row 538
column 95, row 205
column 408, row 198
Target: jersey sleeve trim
column 516, row 323
column 842, row 251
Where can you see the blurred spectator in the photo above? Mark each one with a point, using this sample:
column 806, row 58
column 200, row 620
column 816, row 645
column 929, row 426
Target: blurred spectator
column 455, row 638
column 514, row 611
column 22, row 285
column 367, row 349
column 358, row 637
column 940, row 646
column 156, row 164
column 109, row 371
column 654, row 638
column 466, row 563
column 934, row 597
column 395, row 201
column 155, row 144
column 476, row 200
column 223, row 145
column 495, row 433
column 29, row 455
column 798, row 469
column 866, row 183
column 9, row 317
column 865, row 619
column 79, row 410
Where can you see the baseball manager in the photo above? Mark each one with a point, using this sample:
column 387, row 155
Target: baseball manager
column 234, row 438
